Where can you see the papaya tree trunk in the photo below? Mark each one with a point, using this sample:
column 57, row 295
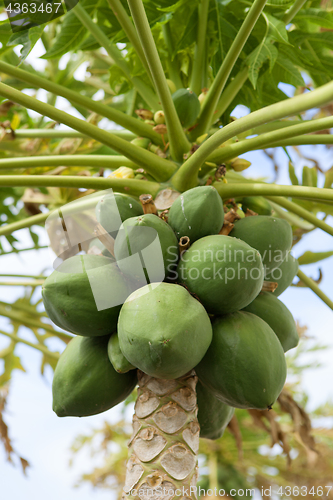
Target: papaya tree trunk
column 165, row 441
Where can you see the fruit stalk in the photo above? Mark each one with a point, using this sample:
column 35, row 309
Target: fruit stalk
column 164, row 445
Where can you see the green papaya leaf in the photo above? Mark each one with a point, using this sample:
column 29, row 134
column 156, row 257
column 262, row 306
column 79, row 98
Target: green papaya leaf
column 309, row 257
column 277, row 29
column 72, row 32
column 27, row 39
column 265, row 51
column 321, row 17
column 285, row 71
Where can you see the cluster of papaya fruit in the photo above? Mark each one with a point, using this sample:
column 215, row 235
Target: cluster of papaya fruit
column 176, row 293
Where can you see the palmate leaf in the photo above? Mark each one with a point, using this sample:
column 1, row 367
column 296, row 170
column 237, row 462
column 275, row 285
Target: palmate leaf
column 266, row 51
column 71, row 34
column 27, row 39
column 285, row 71
column 320, row 17
column 313, row 257
column 277, row 29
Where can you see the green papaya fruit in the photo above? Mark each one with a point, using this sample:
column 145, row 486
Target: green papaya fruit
column 149, row 238
column 163, row 330
column 284, row 274
column 197, row 213
column 85, row 293
column 225, row 273
column 85, row 382
column 271, row 236
column 245, row 365
column 104, row 251
column 114, row 208
column 213, row 415
column 277, row 316
column 141, row 142
column 257, row 204
column 116, row 357
column 187, row 106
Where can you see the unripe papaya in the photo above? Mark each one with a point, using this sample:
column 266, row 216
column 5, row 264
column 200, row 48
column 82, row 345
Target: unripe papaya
column 113, row 209
column 271, row 236
column 85, row 293
column 116, row 357
column 197, row 213
column 85, row 382
column 163, row 330
column 257, row 204
column 277, row 316
column 171, row 85
column 225, row 273
column 152, row 239
column 159, row 117
column 213, row 415
column 284, row 274
column 104, row 251
column 245, row 365
column 187, row 106
column 141, row 142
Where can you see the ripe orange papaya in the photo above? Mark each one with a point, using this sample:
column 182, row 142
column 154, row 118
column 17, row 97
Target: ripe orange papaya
column 85, row 383
column 271, row 236
column 197, row 213
column 85, row 293
column 244, row 366
column 163, row 330
column 277, row 316
column 213, row 415
column 225, row 273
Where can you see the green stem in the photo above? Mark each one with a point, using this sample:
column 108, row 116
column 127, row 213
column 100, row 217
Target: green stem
column 270, row 139
column 292, row 11
column 133, row 124
column 16, row 251
column 230, row 93
column 233, row 177
column 172, row 63
column 214, row 93
column 179, row 144
column 22, row 283
column 146, row 93
column 304, row 140
column 10, row 275
column 301, row 212
column 22, row 320
column 40, row 348
column 127, row 25
column 94, row 161
column 186, row 176
column 315, row 288
column 159, row 168
column 22, row 224
column 199, row 62
column 134, row 187
column 36, row 133
column 18, row 306
column 231, row 190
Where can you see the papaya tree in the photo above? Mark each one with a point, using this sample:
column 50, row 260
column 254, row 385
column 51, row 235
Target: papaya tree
column 178, row 294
